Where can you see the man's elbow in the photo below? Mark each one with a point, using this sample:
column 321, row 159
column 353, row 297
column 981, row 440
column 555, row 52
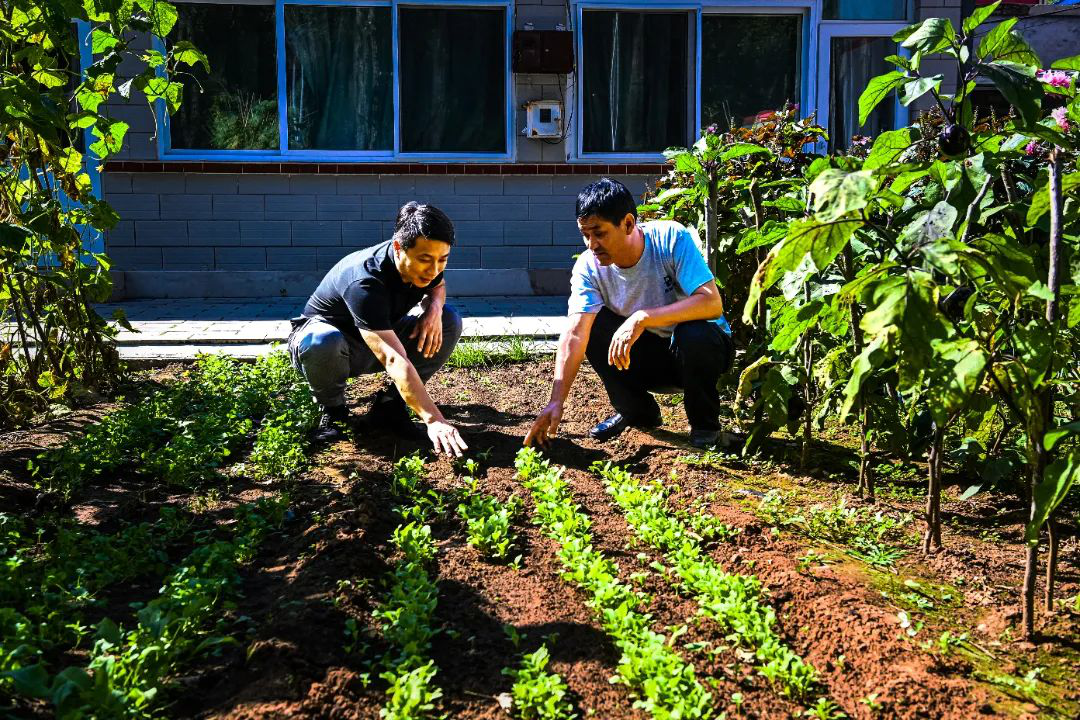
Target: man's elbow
column 396, row 365
column 713, row 307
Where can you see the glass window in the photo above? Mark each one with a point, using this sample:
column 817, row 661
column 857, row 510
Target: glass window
column 453, row 79
column 237, row 106
column 634, row 81
column 865, row 9
column 855, row 60
column 339, row 75
column 749, row 66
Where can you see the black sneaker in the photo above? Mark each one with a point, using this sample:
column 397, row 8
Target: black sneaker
column 332, row 424
column 614, row 426
column 704, row 439
column 390, row 414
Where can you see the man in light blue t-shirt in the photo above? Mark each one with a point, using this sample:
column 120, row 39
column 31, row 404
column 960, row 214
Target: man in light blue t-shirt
column 645, row 311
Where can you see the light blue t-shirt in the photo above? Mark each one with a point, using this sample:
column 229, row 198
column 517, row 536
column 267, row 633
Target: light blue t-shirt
column 670, row 269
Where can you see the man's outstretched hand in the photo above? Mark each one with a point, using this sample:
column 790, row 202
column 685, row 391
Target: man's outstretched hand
column 446, row 439
column 545, row 426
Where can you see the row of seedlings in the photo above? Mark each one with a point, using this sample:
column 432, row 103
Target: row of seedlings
column 407, row 616
column 665, row 684
column 737, row 603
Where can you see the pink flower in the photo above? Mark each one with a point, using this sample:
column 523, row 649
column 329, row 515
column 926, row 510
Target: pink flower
column 1031, row 148
column 1059, row 117
column 1054, row 78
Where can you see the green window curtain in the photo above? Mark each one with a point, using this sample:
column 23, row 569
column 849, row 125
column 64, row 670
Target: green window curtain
column 749, row 65
column 339, row 75
column 236, row 108
column 634, row 81
column 453, row 79
column 865, row 9
column 855, row 60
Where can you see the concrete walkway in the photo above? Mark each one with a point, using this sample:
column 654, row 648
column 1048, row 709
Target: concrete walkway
column 175, row 330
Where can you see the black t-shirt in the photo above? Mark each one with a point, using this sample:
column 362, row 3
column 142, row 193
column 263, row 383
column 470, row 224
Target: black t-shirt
column 365, row 290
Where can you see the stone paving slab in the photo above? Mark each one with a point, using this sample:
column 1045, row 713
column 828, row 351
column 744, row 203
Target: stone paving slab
column 185, row 326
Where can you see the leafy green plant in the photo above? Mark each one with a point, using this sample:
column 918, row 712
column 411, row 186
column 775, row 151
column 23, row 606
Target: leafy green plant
column 946, row 244
column 537, row 693
column 184, row 433
column 58, row 349
column 488, row 523
column 130, row 669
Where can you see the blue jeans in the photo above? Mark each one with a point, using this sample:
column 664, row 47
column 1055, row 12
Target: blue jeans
column 327, row 357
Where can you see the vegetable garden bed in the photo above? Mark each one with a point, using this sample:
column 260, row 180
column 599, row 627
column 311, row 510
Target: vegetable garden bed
column 729, row 585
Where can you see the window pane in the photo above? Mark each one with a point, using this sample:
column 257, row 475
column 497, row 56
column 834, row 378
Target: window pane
column 339, row 71
column 854, row 62
column 453, row 79
column 866, row 9
column 237, row 109
column 634, row 81
column 749, row 66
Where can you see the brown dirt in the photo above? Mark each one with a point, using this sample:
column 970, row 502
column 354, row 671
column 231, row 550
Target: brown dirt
column 328, row 564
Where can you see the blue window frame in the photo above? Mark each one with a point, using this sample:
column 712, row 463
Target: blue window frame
column 808, row 69
column 362, row 48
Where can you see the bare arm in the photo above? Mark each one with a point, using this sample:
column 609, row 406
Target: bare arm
column 704, row 303
column 568, row 359
column 389, row 351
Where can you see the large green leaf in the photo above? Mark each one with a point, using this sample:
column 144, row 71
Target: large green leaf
column 771, row 233
column 1000, row 259
column 110, row 138
column 979, row 16
column 931, row 36
column 838, row 193
column 1018, row 85
column 877, row 90
column 904, row 307
column 1040, row 201
column 954, row 376
column 875, row 355
column 742, row 149
column 930, row 226
column 1003, row 42
column 912, row 90
column 821, row 240
column 1069, row 63
column 888, row 147
column 793, row 322
column 1053, row 437
column 13, row 237
column 162, row 16
column 1051, row 491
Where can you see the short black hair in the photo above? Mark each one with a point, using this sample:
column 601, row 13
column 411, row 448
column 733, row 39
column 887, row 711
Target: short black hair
column 607, row 199
column 415, row 220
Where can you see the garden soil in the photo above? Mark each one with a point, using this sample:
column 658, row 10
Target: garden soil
column 296, row 658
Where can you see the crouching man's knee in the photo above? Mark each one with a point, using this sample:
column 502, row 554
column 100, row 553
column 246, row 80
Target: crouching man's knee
column 701, row 342
column 452, row 325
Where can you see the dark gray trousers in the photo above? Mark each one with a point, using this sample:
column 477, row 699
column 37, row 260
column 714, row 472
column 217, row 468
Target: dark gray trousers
column 327, row 357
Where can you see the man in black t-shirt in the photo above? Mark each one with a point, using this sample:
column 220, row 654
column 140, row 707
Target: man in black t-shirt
column 384, row 307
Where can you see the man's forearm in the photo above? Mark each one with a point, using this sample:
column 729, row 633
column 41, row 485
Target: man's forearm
column 568, row 360
column 412, row 390
column 695, row 307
